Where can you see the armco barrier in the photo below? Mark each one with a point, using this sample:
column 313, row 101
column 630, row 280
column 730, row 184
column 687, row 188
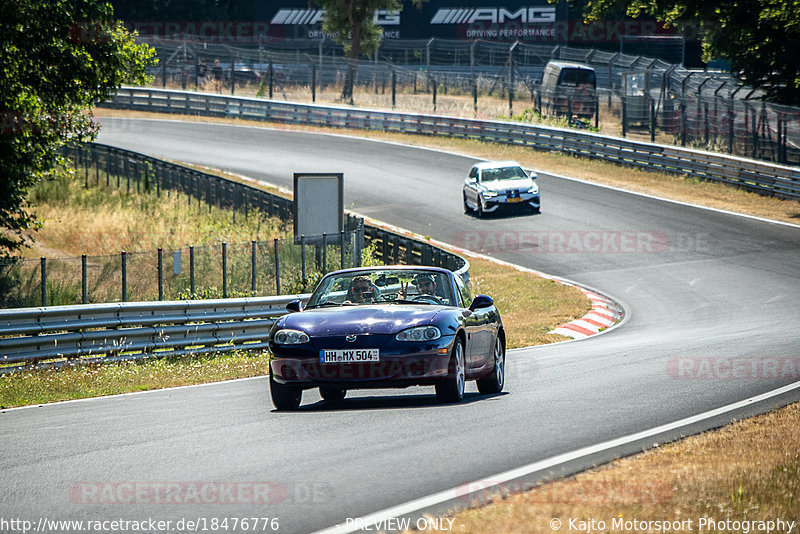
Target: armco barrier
column 761, row 177
column 132, row 330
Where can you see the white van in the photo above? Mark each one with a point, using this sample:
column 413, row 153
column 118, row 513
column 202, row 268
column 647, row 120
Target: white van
column 569, row 89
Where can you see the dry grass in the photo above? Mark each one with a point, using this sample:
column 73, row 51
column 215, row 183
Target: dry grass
column 671, row 186
column 746, row 471
column 106, row 220
column 84, row 381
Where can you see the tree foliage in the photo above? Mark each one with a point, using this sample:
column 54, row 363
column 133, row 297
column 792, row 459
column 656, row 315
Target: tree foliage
column 57, row 58
column 351, row 23
column 760, row 38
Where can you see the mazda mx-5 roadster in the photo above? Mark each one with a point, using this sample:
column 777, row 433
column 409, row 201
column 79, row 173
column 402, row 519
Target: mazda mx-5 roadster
column 387, row 327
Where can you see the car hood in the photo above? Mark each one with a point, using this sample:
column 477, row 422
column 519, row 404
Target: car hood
column 369, row 319
column 508, row 185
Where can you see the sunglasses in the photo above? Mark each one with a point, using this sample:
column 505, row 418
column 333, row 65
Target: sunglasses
column 366, row 289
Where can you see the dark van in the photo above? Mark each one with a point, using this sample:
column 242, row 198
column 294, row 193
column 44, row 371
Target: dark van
column 569, row 89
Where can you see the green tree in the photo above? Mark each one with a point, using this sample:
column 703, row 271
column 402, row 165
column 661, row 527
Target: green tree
column 57, row 58
column 351, row 23
column 760, row 38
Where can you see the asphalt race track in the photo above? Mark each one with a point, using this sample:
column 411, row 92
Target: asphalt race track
column 704, row 290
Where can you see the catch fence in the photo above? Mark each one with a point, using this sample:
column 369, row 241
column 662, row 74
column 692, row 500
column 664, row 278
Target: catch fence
column 637, row 96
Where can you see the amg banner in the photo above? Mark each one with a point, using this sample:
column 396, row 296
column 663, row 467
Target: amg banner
column 496, row 20
column 468, row 20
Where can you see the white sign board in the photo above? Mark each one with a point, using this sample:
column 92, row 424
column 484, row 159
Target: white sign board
column 318, row 206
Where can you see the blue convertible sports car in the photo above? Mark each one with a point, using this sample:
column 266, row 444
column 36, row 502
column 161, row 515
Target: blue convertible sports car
column 382, row 327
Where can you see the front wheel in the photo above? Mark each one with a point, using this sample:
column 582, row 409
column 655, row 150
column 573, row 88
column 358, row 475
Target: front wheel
column 466, row 206
column 284, row 396
column 451, row 389
column 493, row 382
column 480, row 207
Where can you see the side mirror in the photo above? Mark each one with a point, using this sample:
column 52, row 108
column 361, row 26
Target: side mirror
column 294, row 306
column 471, row 181
column 481, row 301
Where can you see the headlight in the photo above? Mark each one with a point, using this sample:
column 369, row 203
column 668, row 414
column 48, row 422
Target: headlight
column 489, row 194
column 419, row 333
column 290, row 337
column 534, row 189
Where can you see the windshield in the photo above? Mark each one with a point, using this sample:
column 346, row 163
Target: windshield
column 503, row 173
column 383, row 286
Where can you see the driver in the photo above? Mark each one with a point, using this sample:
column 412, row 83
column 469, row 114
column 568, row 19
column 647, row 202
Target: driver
column 361, row 291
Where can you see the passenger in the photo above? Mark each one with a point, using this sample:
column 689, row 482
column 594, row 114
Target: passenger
column 424, row 283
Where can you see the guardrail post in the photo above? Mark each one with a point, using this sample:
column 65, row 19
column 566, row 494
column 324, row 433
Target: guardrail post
column 160, row 274
column 191, row 269
column 434, row 92
column 277, row 269
column 83, row 279
column 124, row 276
column 44, row 280
column 253, row 267
column 224, row 270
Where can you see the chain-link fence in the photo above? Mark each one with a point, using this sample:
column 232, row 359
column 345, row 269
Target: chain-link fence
column 257, row 268
column 636, row 96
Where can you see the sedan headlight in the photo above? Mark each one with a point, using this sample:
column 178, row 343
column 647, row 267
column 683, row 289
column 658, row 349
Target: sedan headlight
column 534, row 189
column 419, row 333
column 290, row 337
column 489, row 194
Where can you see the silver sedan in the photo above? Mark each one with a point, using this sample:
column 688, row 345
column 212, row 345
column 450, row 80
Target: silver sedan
column 493, row 185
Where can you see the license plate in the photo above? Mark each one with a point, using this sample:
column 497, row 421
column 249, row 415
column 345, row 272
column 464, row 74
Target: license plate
column 515, row 199
column 349, row 356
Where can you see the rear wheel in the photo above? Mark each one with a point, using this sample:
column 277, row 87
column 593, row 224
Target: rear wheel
column 284, row 396
column 332, row 394
column 452, row 388
column 493, row 382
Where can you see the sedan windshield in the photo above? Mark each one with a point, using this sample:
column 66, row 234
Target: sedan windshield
column 503, row 173
column 383, row 286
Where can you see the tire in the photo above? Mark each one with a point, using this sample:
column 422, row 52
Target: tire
column 481, row 214
column 284, row 396
column 466, row 206
column 332, row 394
column 494, row 381
column 452, row 388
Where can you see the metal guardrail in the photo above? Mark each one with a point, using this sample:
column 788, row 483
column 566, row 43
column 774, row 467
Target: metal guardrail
column 61, row 335
column 758, row 176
